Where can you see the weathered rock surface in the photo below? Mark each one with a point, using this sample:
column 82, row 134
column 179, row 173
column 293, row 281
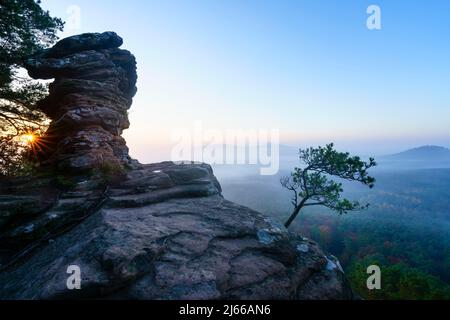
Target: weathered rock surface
column 165, row 233
column 158, row 231
column 88, row 102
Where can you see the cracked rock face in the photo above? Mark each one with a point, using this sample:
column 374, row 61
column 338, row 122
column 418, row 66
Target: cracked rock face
column 94, row 84
column 162, row 231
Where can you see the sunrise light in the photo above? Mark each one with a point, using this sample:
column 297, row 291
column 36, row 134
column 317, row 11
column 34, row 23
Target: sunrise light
column 28, row 138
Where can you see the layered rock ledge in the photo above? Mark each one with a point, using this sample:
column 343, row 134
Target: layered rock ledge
column 159, row 231
column 165, row 233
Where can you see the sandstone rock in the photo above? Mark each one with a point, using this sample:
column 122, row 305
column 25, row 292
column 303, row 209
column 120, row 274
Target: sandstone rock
column 165, row 233
column 88, row 102
column 158, row 231
column 83, row 42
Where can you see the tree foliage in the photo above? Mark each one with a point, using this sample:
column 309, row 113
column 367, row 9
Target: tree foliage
column 398, row 282
column 312, row 185
column 25, row 28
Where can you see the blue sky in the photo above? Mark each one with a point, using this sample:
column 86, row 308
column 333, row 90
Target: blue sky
column 308, row 68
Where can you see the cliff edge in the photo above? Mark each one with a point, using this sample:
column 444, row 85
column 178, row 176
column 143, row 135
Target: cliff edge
column 134, row 231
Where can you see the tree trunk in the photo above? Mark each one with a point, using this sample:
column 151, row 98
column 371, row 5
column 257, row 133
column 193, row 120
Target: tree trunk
column 295, row 213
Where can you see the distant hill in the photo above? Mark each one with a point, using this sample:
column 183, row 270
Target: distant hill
column 424, row 153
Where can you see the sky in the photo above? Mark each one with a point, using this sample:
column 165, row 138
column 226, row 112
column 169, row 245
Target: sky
column 310, row 69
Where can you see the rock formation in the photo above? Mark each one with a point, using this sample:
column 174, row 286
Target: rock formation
column 163, row 231
column 88, row 102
